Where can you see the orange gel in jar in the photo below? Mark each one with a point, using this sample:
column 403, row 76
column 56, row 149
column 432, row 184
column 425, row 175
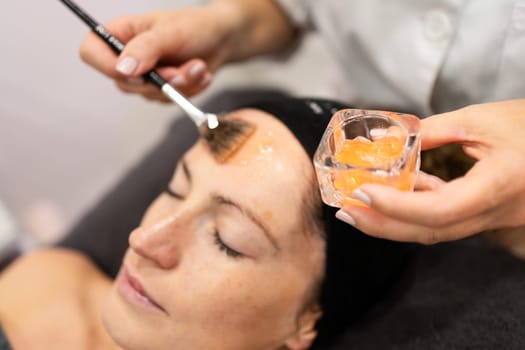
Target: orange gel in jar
column 361, row 147
column 366, row 153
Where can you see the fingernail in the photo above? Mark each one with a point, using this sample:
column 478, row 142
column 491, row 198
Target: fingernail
column 136, row 81
column 206, row 80
column 197, row 69
column 345, row 217
column 127, row 65
column 178, row 81
column 363, row 197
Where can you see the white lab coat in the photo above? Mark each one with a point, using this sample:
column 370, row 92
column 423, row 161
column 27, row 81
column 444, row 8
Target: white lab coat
column 423, row 56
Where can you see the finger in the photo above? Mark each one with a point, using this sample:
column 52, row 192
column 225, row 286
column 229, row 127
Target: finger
column 203, row 84
column 147, row 90
column 97, row 53
column 140, row 55
column 139, row 85
column 190, row 78
column 128, row 86
column 142, row 86
column 478, row 191
column 196, row 75
column 126, row 28
column 378, row 225
column 427, row 182
column 172, row 75
column 442, row 129
column 157, row 97
column 194, row 70
column 147, row 47
column 143, row 46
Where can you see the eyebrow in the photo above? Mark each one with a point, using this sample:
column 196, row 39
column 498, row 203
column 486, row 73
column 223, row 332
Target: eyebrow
column 220, row 199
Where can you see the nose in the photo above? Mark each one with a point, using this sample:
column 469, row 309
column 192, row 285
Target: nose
column 158, row 242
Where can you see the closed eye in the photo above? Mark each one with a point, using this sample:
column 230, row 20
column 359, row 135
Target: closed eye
column 225, row 248
column 185, row 173
column 173, row 194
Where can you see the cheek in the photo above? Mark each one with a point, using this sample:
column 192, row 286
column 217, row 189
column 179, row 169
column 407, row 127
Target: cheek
column 250, row 297
column 222, row 295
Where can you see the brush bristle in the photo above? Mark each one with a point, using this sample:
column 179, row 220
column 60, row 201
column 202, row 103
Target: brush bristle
column 227, row 138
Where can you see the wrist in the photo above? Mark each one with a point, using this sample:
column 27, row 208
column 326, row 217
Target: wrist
column 253, row 27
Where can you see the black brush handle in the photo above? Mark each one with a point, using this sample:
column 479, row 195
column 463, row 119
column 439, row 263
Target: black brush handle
column 114, row 43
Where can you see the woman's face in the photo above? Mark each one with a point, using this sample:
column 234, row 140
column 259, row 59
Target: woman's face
column 222, row 261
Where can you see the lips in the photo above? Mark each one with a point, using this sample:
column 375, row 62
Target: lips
column 134, row 292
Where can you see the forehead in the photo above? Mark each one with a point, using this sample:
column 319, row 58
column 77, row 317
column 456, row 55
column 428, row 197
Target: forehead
column 271, row 144
column 269, row 173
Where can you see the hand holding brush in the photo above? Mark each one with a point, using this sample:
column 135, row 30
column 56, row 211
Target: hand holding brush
column 223, row 138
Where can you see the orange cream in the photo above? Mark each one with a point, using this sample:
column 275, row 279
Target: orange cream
column 366, row 155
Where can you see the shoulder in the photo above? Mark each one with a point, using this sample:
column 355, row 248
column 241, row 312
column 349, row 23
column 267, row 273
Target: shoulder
column 46, row 289
column 46, row 270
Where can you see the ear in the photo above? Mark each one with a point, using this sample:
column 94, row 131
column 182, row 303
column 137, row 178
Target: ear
column 305, row 334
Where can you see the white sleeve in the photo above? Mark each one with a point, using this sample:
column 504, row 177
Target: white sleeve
column 297, row 11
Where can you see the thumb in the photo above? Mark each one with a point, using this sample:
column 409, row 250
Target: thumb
column 441, row 129
column 140, row 55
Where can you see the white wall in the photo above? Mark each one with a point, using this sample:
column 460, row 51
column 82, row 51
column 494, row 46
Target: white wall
column 66, row 133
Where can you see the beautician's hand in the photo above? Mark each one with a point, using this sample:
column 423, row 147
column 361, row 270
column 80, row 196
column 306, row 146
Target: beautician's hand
column 491, row 195
column 186, row 46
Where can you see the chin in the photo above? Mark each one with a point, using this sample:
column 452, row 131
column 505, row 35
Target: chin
column 121, row 325
column 133, row 328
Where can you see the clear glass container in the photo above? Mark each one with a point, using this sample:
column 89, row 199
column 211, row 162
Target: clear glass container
column 364, row 146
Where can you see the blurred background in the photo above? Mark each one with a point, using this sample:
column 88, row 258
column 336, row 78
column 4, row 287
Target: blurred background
column 67, row 134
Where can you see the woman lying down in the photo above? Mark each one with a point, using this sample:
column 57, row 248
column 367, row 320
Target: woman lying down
column 239, row 255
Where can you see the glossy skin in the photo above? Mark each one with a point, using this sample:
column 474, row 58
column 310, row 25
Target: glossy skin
column 490, row 196
column 237, row 290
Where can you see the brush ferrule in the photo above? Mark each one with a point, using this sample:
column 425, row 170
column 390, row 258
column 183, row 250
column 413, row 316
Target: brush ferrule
column 213, row 121
column 196, row 114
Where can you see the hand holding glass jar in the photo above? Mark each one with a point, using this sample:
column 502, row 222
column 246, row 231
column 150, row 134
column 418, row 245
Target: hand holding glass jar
column 491, row 195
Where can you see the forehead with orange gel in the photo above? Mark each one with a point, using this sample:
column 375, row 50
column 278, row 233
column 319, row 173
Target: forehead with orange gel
column 265, row 144
column 270, row 152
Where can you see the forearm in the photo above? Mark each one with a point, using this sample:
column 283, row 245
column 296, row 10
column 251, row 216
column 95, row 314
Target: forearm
column 258, row 27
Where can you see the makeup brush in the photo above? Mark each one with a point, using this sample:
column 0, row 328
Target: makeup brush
column 223, row 138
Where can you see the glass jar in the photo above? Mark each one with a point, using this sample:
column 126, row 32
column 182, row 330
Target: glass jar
column 366, row 146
